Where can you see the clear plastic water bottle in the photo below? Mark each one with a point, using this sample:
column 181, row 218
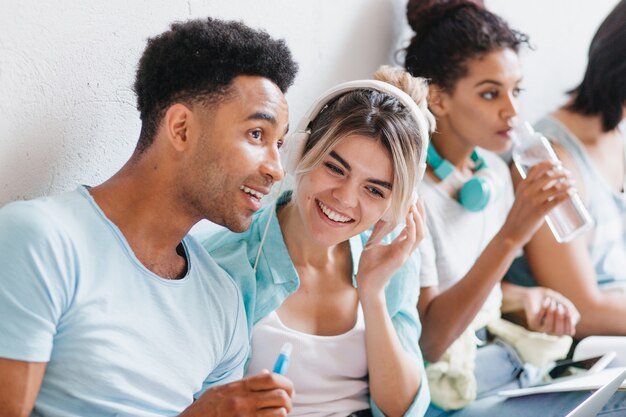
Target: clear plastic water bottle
column 570, row 218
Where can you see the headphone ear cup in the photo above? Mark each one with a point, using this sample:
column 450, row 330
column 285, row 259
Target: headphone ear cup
column 478, row 191
column 294, row 150
column 475, row 193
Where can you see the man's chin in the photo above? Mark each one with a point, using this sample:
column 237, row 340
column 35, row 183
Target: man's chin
column 238, row 225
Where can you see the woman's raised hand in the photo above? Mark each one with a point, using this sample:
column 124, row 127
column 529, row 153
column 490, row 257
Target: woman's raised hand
column 379, row 261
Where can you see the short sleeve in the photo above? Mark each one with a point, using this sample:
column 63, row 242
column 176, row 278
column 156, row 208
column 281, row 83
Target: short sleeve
column 508, row 195
column 34, row 277
column 231, row 367
column 402, row 294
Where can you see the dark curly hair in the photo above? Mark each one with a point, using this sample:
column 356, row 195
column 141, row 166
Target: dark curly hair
column 195, row 61
column 603, row 88
column 448, row 33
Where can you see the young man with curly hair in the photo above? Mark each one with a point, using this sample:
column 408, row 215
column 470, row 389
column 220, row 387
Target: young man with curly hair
column 108, row 307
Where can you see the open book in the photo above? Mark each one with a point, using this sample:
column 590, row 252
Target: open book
column 587, row 382
column 599, row 345
column 596, row 378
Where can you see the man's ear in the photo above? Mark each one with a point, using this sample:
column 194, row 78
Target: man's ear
column 437, row 100
column 177, row 123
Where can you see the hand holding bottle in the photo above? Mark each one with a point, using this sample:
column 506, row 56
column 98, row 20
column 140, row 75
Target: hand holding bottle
column 546, row 186
column 566, row 220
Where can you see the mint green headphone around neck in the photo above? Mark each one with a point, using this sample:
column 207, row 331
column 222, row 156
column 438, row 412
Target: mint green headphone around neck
column 475, row 193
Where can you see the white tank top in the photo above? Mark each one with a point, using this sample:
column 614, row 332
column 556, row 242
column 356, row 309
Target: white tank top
column 329, row 373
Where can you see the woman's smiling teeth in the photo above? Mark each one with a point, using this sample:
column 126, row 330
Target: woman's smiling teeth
column 252, row 192
column 334, row 216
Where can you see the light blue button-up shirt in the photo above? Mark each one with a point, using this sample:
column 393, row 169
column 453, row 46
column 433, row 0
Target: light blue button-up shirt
column 276, row 279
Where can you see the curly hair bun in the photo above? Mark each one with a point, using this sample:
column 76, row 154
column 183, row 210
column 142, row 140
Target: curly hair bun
column 448, row 33
column 422, row 14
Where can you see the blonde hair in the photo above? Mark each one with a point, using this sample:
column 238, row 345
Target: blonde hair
column 382, row 117
column 417, row 89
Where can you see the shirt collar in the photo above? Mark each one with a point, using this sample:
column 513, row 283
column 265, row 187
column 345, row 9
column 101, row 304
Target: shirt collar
column 274, row 249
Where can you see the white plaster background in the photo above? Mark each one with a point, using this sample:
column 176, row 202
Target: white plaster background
column 67, row 111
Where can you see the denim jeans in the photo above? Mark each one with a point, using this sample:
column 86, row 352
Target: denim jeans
column 498, row 367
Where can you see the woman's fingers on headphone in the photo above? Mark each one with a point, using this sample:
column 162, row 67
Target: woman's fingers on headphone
column 411, row 225
column 421, row 209
column 420, row 220
column 379, row 232
column 413, row 233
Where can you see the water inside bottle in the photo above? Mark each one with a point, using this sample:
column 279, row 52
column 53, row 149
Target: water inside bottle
column 569, row 219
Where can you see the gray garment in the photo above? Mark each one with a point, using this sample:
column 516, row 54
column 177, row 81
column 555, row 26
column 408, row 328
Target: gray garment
column 607, row 240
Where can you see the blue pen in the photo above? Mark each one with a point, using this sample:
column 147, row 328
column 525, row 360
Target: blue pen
column 282, row 362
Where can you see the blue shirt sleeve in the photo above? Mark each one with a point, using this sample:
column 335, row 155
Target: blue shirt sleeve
column 402, row 293
column 35, row 280
column 231, row 368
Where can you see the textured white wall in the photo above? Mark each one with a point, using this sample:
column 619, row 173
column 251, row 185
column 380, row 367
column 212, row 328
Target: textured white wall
column 67, row 111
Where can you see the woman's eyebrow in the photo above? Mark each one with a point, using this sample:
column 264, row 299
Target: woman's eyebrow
column 339, row 159
column 385, row 184
column 495, row 82
column 346, row 165
column 498, row 83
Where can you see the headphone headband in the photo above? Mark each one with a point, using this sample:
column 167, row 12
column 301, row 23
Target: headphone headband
column 295, row 147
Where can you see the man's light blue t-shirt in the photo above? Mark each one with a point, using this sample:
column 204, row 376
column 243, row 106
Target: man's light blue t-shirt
column 118, row 339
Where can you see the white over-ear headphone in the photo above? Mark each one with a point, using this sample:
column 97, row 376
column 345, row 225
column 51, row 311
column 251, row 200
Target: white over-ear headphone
column 297, row 140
